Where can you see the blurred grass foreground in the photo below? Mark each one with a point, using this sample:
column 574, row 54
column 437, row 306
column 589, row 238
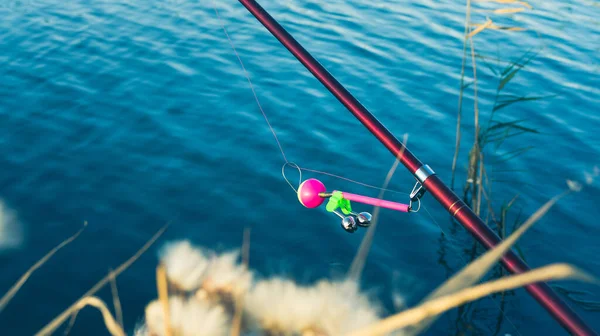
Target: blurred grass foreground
column 200, row 292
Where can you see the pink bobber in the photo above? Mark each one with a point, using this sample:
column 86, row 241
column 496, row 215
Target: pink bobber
column 308, row 193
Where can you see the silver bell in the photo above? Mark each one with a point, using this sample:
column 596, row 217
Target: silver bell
column 364, row 218
column 349, row 224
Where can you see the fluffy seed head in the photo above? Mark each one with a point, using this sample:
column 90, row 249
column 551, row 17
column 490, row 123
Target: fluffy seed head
column 191, row 268
column 225, row 274
column 185, row 264
column 188, row 317
column 330, row 308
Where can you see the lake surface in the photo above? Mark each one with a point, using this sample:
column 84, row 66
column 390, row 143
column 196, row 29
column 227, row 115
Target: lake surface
column 131, row 114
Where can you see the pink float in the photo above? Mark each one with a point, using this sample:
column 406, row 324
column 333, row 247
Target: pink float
column 308, row 193
column 309, row 190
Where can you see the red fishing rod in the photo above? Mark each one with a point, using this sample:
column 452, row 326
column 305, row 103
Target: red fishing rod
column 426, row 177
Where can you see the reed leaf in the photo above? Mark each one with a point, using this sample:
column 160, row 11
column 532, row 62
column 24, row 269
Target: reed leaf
column 500, row 138
column 575, row 296
column 442, row 304
column 162, row 286
column 511, row 125
column 503, row 101
column 474, row 271
column 514, row 153
column 484, row 59
column 60, row 319
column 109, row 321
column 17, row 286
column 480, row 28
column 508, row 10
column 516, row 2
column 495, row 27
column 515, row 66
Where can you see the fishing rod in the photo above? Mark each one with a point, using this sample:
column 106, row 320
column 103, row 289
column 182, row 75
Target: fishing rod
column 426, row 178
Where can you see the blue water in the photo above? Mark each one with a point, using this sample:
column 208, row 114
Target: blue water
column 131, row 114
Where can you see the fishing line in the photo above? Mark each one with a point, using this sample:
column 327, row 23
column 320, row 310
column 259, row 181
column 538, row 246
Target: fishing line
column 286, row 180
column 249, row 82
column 300, row 169
column 355, row 182
column 292, row 164
column 312, row 192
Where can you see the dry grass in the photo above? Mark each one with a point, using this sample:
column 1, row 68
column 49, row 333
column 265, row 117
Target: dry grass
column 476, row 156
column 480, row 28
column 115, row 297
column 278, row 306
column 488, row 138
column 477, row 189
column 236, row 327
column 439, row 305
column 60, row 319
column 461, row 92
column 477, row 269
column 363, row 251
column 109, row 321
column 17, row 286
column 511, row 2
column 162, row 285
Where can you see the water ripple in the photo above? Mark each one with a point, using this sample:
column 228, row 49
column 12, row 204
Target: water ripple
column 130, row 114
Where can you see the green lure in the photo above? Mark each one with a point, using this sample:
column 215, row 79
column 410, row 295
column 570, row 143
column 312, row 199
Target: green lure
column 337, row 200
